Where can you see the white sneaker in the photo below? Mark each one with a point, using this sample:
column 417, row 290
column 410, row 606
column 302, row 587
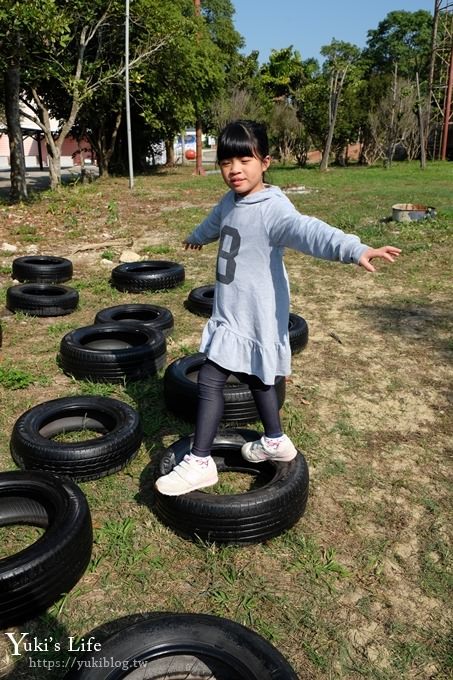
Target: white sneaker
column 281, row 449
column 190, row 474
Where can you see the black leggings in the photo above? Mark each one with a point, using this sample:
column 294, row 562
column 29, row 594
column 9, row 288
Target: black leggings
column 211, row 383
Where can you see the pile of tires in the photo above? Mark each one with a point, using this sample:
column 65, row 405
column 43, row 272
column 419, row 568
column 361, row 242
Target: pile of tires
column 151, row 316
column 113, row 353
column 42, row 299
column 184, row 646
column 200, row 301
column 41, row 269
column 135, row 277
column 274, row 503
column 36, row 577
column 40, row 295
column 181, row 397
column 34, row 441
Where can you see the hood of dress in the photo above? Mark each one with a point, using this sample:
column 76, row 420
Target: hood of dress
column 258, row 196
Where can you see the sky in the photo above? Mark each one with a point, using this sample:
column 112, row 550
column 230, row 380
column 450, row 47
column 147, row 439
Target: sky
column 310, row 24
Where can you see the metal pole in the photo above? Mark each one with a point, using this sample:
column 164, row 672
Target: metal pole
column 128, row 106
column 447, row 110
column 199, row 170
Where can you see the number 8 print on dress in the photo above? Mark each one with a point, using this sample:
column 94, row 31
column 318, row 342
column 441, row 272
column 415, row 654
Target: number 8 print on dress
column 226, row 264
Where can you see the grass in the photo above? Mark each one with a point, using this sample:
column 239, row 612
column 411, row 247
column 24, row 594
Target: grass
column 14, row 378
column 361, row 586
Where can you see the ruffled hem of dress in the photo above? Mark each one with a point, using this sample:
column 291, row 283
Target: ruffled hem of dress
column 243, row 355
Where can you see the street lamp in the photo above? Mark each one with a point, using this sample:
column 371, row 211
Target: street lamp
column 128, row 106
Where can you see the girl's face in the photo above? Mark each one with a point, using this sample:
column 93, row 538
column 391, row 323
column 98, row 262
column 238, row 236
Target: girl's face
column 244, row 174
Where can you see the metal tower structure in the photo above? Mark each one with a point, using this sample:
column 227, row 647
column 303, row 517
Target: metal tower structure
column 441, row 78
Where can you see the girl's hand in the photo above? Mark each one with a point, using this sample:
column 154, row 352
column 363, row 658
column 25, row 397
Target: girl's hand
column 386, row 253
column 192, row 246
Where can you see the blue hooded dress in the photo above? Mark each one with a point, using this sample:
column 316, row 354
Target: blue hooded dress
column 248, row 329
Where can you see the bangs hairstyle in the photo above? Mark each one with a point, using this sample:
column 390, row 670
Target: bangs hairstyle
column 242, row 138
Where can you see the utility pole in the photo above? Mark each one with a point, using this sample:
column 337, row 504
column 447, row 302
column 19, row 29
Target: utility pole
column 440, row 83
column 447, row 109
column 199, row 170
column 128, row 104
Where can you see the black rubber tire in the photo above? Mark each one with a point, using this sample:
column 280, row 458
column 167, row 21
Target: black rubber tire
column 42, row 299
column 33, row 448
column 113, row 353
column 229, row 649
column 147, row 275
column 200, row 300
column 298, row 333
column 42, row 269
column 34, row 578
column 180, row 392
column 252, row 517
column 151, row 316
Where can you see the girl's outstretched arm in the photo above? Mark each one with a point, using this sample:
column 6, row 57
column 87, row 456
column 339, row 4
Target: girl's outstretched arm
column 386, row 253
column 206, row 232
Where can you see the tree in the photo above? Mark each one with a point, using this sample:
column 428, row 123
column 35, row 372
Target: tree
column 392, row 123
column 283, row 78
column 22, row 27
column 156, row 85
column 287, row 135
column 18, row 190
column 403, row 38
column 243, row 95
column 218, row 18
column 340, row 59
column 81, row 63
column 238, row 103
column 283, row 74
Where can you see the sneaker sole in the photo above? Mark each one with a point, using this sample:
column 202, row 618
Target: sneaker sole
column 271, row 459
column 192, row 488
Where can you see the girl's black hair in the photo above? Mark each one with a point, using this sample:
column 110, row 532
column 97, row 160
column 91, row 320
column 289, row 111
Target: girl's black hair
column 243, row 138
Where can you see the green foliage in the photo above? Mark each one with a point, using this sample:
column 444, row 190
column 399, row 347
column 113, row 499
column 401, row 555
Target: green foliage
column 156, row 250
column 403, row 38
column 25, row 25
column 112, row 210
column 14, row 378
column 284, row 73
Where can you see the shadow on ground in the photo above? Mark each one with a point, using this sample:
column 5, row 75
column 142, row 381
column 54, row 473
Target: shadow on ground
column 419, row 323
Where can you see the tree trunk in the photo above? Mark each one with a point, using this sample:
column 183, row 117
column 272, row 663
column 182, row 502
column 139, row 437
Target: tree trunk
column 18, row 190
column 333, row 107
column 335, row 94
column 111, row 148
column 328, row 145
column 104, row 149
column 392, row 140
column 170, row 152
column 54, row 160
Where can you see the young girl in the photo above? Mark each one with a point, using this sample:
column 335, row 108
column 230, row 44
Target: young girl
column 247, row 333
